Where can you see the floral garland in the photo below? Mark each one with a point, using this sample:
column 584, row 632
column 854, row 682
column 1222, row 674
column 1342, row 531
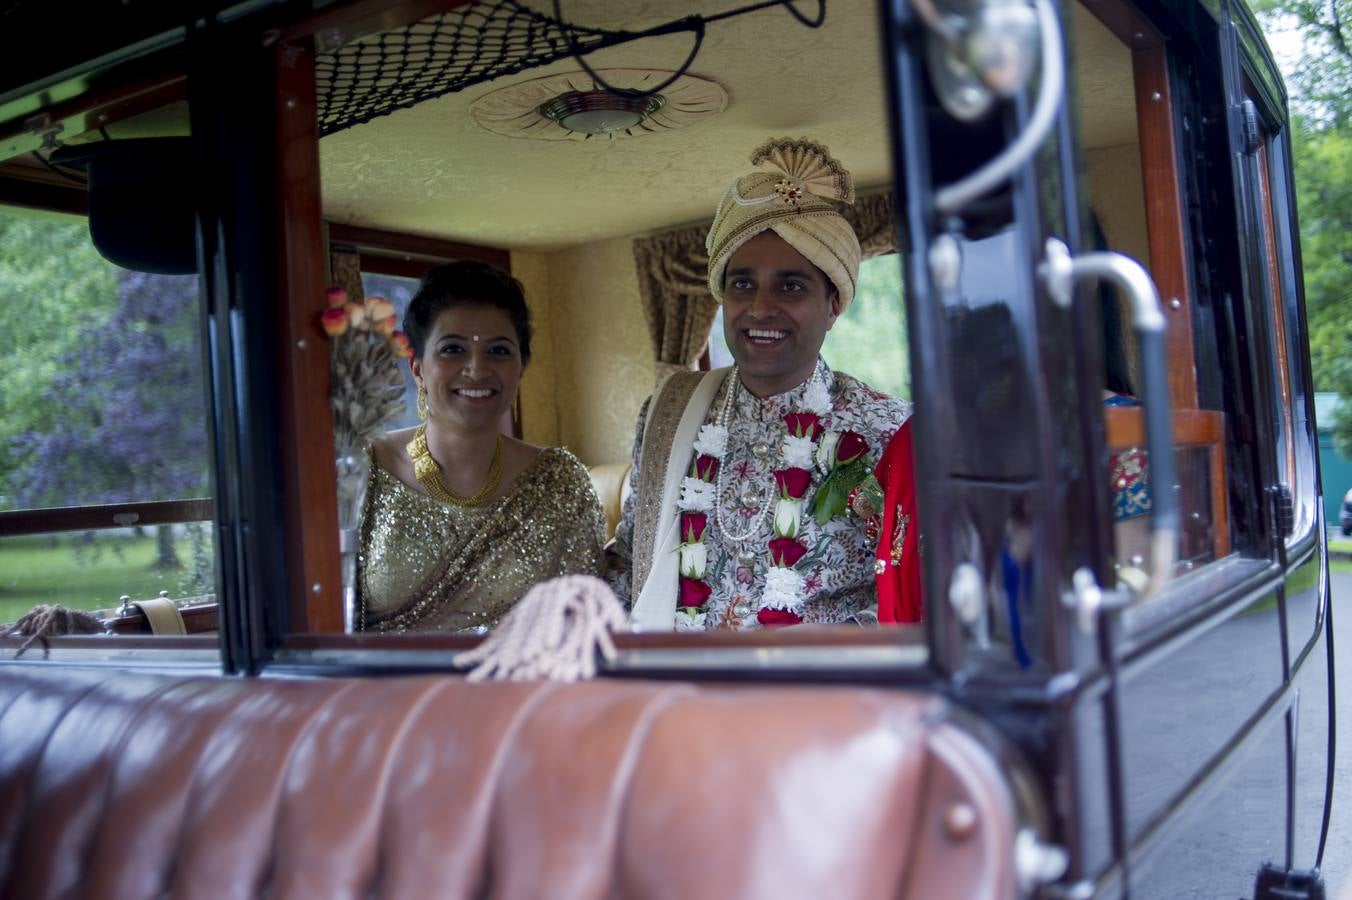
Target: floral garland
column 807, row 445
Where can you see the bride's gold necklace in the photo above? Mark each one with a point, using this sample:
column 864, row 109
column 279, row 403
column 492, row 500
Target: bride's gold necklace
column 428, row 473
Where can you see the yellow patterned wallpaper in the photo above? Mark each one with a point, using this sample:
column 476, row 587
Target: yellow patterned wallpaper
column 593, row 360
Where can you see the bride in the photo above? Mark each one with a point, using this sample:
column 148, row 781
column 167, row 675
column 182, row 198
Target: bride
column 461, row 520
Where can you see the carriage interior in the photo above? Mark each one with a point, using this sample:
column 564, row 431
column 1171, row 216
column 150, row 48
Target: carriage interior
column 597, row 225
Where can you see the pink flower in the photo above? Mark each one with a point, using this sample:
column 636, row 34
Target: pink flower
column 378, row 308
column 400, row 346
column 692, row 527
column 803, row 424
column 384, row 327
column 792, row 483
column 335, row 297
column 356, row 315
column 745, row 469
column 693, row 592
column 852, row 446
column 334, row 321
column 786, row 551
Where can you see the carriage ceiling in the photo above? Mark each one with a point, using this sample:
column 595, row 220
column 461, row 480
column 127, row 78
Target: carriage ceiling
column 432, row 170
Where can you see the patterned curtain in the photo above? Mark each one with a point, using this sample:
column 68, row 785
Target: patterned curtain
column 672, row 269
column 345, row 272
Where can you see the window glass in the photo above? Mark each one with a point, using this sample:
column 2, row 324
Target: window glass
column 101, row 402
column 1123, row 141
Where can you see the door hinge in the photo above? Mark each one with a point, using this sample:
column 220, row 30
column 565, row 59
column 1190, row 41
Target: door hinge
column 1277, row 883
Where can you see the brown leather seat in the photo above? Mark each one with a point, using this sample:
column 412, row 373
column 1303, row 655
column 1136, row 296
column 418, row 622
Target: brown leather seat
column 611, row 481
column 139, row 786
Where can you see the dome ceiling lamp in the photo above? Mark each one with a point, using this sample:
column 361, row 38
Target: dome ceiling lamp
column 572, row 106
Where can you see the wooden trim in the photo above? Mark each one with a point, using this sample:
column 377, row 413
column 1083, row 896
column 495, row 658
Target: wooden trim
column 395, row 247
column 25, row 184
column 306, row 438
column 201, row 618
column 1278, row 316
column 1204, row 428
column 342, row 23
column 823, row 636
column 87, row 113
column 134, row 641
column 1126, row 21
column 1164, row 217
column 111, row 515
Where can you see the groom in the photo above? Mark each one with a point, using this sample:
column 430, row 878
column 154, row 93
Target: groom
column 743, row 478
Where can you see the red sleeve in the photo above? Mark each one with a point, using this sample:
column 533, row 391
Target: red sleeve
column 898, row 556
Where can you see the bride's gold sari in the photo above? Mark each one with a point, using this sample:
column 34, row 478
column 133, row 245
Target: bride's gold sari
column 425, row 565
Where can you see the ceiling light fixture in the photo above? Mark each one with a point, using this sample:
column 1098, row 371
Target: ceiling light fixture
column 600, row 112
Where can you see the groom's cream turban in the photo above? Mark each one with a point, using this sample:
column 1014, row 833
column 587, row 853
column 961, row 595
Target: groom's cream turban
column 794, row 195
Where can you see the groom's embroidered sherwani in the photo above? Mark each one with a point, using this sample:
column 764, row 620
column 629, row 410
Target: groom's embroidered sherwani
column 838, row 568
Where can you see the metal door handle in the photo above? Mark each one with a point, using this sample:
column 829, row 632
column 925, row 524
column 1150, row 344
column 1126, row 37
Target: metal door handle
column 1061, row 270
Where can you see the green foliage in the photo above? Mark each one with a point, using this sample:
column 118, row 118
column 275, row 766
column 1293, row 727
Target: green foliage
column 52, row 284
column 1320, row 82
column 869, row 341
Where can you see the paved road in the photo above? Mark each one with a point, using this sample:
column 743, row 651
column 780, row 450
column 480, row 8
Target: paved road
column 1338, row 852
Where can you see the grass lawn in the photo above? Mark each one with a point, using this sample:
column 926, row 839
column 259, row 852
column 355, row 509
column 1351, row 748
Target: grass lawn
column 69, row 570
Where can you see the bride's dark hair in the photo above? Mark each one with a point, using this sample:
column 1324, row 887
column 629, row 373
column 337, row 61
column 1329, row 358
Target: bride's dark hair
column 467, row 282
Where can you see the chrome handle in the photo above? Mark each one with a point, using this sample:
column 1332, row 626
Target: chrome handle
column 1060, row 270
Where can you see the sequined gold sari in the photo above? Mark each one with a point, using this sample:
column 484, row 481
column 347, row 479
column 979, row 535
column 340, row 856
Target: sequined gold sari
column 424, row 565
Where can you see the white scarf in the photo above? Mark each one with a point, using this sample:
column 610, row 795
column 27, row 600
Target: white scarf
column 655, row 607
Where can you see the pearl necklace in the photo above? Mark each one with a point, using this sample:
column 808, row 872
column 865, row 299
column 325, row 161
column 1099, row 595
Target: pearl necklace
column 724, row 415
column 722, row 420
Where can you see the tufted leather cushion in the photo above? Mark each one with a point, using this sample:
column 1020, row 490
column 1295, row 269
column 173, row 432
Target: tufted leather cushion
column 139, row 786
column 611, row 481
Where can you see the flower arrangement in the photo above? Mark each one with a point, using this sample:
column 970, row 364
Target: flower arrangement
column 366, row 386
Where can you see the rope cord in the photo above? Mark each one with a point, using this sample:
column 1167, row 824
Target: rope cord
column 476, row 43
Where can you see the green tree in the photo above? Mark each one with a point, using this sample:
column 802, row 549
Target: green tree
column 53, row 285
column 1320, row 83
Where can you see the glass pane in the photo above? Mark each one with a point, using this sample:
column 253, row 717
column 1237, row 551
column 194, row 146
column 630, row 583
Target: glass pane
column 90, row 570
column 102, row 401
column 1201, row 535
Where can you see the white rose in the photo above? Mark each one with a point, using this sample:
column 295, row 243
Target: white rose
column 797, row 451
column 826, row 450
column 697, row 495
column 694, row 557
column 787, row 515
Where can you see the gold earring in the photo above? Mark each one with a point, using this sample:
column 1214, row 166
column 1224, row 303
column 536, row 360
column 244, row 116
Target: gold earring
column 422, row 402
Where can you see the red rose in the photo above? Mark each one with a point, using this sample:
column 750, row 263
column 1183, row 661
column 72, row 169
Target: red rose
column 692, row 527
column 792, row 483
column 786, row 551
column 851, row 447
column 801, row 424
column 778, row 618
column 694, row 592
column 706, row 467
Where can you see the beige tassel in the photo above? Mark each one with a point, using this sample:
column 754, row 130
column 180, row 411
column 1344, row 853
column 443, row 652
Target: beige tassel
column 553, row 633
column 43, row 622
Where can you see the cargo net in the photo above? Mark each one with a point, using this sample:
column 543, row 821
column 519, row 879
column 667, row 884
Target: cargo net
column 479, row 42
